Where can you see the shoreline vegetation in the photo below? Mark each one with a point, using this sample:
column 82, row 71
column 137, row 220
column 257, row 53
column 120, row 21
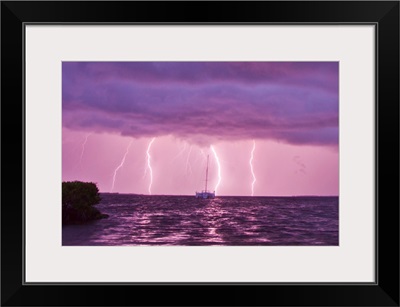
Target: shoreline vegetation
column 78, row 201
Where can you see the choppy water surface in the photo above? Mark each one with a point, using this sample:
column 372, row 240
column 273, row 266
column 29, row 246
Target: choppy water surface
column 185, row 220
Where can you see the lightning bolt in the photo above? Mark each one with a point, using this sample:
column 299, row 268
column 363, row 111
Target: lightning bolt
column 219, row 168
column 180, row 152
column 120, row 165
column 203, row 154
column 83, row 148
column 251, row 168
column 188, row 166
column 149, row 164
column 200, row 155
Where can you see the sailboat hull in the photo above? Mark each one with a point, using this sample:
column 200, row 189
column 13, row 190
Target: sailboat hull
column 205, row 195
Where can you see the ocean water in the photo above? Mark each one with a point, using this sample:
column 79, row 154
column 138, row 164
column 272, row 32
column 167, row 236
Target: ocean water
column 187, row 221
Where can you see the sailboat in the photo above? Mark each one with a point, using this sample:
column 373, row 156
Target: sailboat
column 205, row 194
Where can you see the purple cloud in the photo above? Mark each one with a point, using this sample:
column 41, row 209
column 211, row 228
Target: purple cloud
column 295, row 102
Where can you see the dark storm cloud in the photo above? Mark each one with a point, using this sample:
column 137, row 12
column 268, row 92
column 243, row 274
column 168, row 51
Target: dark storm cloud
column 203, row 101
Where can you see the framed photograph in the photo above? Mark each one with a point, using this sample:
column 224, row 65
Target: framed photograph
column 242, row 146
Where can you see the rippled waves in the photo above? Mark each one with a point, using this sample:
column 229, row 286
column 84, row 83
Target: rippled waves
column 185, row 220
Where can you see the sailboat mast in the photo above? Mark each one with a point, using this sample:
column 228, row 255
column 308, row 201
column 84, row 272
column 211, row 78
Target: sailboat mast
column 207, row 173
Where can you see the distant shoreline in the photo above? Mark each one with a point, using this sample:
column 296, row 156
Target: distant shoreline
column 244, row 196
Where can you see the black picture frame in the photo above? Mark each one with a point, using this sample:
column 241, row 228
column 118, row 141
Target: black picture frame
column 383, row 14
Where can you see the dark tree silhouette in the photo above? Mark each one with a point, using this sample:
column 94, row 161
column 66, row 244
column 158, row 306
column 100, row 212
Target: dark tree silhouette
column 78, row 200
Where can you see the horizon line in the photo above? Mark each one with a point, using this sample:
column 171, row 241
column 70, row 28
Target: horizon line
column 138, row 194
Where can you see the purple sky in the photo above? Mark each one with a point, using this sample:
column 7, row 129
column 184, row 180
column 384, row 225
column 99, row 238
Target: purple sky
column 289, row 110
